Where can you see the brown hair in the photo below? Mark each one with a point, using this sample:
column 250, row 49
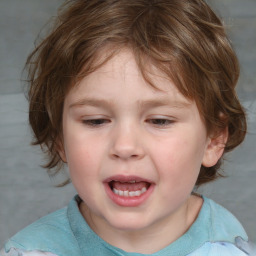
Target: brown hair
column 184, row 39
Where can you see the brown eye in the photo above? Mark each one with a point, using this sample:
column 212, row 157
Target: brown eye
column 95, row 122
column 160, row 121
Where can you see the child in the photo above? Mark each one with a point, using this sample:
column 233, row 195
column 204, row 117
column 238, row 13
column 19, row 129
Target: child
column 137, row 98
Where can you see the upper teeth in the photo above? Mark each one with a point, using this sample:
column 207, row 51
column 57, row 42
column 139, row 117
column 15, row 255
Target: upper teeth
column 129, row 193
column 132, row 181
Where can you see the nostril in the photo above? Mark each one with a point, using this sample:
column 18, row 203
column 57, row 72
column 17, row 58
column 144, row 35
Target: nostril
column 121, row 156
column 116, row 156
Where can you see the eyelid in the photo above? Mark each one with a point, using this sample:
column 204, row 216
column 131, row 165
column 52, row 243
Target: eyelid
column 92, row 120
column 171, row 118
column 167, row 119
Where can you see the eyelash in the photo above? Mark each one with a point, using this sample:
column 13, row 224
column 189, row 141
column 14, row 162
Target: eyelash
column 96, row 122
column 160, row 122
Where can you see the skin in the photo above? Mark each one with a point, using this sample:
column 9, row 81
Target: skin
column 114, row 123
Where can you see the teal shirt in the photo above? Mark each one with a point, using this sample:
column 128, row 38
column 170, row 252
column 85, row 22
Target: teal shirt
column 65, row 232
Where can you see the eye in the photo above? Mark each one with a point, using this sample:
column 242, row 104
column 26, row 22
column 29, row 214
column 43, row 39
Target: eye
column 162, row 122
column 96, row 122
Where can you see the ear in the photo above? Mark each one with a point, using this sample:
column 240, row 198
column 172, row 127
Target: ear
column 215, row 148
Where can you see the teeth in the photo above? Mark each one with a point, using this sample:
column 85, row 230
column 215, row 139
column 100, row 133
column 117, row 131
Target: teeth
column 143, row 190
column 126, row 193
column 134, row 193
column 129, row 193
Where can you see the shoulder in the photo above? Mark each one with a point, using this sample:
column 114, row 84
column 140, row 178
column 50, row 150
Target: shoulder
column 222, row 249
column 226, row 235
column 223, row 225
column 51, row 233
column 19, row 252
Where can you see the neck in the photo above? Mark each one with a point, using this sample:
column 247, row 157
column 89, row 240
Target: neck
column 158, row 235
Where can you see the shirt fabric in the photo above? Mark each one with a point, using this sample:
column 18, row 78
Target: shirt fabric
column 216, row 232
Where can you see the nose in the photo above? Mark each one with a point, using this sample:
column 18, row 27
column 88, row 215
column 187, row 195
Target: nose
column 127, row 143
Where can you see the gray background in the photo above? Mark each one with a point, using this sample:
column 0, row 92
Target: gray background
column 26, row 192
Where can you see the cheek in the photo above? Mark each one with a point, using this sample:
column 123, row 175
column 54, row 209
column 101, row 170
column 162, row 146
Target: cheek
column 81, row 157
column 179, row 160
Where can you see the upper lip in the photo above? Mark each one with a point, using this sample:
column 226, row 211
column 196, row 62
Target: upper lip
column 124, row 178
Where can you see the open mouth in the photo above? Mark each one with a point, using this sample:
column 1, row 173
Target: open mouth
column 130, row 188
column 128, row 191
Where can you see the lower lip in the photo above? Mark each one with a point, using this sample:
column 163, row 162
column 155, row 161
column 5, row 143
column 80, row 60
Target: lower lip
column 128, row 201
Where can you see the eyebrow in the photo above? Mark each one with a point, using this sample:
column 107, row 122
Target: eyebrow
column 163, row 102
column 143, row 104
column 91, row 102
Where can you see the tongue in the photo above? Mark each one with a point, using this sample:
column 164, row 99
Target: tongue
column 125, row 186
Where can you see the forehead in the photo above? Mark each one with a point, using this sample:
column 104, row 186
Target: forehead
column 121, row 72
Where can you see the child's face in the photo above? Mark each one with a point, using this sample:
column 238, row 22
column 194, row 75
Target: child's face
column 119, row 130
